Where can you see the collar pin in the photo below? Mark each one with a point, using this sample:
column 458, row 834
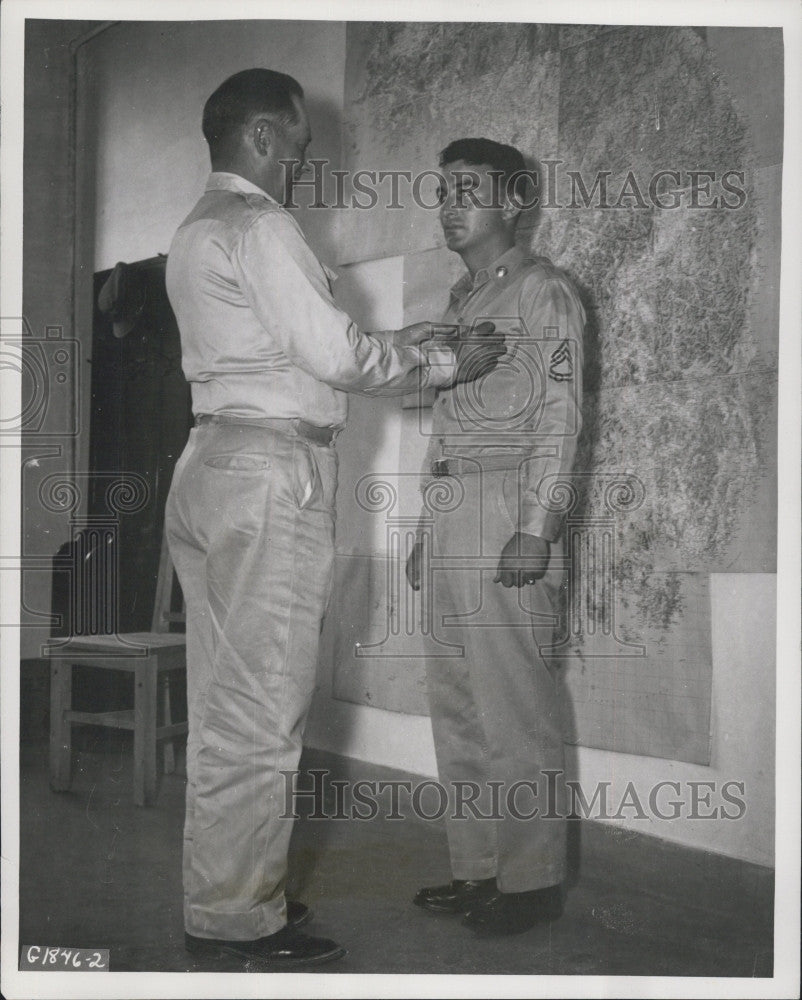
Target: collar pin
column 501, row 271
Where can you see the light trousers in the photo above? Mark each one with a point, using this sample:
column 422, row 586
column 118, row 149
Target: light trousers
column 250, row 526
column 494, row 709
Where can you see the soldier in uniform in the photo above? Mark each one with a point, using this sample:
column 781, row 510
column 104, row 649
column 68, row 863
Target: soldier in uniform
column 496, row 566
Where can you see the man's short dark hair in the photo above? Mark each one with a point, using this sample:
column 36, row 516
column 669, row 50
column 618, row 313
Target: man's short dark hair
column 507, row 160
column 240, row 97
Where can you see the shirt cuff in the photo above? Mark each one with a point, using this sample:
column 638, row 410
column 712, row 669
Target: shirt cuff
column 441, row 364
column 536, row 520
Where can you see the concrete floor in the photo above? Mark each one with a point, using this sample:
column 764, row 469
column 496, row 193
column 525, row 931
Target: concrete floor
column 98, row 872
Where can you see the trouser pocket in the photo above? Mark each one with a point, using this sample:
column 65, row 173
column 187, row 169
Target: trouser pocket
column 250, row 455
column 306, row 477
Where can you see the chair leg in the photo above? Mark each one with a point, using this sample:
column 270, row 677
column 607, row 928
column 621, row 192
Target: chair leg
column 145, row 702
column 60, row 726
column 167, row 719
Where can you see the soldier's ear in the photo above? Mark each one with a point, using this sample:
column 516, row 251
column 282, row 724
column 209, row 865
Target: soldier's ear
column 509, row 210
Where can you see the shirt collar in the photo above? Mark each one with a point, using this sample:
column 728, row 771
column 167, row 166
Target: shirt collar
column 222, row 180
column 509, row 262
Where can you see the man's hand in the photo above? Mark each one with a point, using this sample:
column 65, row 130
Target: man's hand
column 414, row 566
column 478, row 355
column 411, row 336
column 524, row 559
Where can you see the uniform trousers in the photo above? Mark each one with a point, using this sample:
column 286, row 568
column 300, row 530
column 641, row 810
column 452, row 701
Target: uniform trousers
column 250, row 526
column 495, row 709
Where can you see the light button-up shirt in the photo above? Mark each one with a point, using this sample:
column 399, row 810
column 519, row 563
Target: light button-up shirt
column 261, row 334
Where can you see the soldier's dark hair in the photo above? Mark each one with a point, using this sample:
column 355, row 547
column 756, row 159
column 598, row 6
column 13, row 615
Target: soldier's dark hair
column 507, row 160
column 240, row 97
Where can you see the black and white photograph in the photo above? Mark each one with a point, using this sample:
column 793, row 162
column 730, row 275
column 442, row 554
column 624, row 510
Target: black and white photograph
column 400, row 506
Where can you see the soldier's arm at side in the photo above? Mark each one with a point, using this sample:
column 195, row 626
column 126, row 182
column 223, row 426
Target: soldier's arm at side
column 555, row 320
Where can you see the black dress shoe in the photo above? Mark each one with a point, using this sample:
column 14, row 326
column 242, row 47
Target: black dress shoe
column 459, row 896
column 285, row 949
column 297, row 913
column 514, row 912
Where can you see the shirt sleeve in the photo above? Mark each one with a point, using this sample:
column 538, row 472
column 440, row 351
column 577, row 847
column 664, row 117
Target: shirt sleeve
column 555, row 322
column 289, row 292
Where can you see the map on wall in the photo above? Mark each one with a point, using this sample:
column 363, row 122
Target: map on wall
column 680, row 372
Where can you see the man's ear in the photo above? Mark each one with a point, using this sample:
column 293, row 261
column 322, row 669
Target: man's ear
column 509, row 210
column 262, row 135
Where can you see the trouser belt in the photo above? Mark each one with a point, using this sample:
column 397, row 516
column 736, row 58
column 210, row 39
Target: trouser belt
column 482, row 463
column 292, row 426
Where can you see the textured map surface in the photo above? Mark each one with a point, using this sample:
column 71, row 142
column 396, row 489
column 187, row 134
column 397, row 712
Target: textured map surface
column 681, row 343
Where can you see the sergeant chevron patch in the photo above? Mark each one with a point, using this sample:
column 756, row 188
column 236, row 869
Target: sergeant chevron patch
column 561, row 364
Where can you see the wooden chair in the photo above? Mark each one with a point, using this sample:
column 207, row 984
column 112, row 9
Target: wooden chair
column 152, row 657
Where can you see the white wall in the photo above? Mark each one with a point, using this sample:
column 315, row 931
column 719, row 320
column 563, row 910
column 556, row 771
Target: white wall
column 151, row 81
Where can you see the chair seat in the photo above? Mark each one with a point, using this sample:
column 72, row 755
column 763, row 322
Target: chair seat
column 124, row 643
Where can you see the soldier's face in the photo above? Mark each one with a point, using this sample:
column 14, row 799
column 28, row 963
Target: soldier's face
column 471, row 212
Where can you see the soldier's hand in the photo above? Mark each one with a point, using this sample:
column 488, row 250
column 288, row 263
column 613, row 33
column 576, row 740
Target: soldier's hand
column 410, row 336
column 414, row 566
column 524, row 559
column 477, row 354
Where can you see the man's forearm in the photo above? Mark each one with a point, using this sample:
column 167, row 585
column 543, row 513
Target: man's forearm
column 436, row 366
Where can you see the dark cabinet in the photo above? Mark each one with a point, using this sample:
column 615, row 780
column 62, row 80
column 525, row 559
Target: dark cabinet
column 140, row 419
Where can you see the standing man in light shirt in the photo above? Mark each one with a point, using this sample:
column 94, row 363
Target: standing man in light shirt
column 250, row 515
column 500, row 444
